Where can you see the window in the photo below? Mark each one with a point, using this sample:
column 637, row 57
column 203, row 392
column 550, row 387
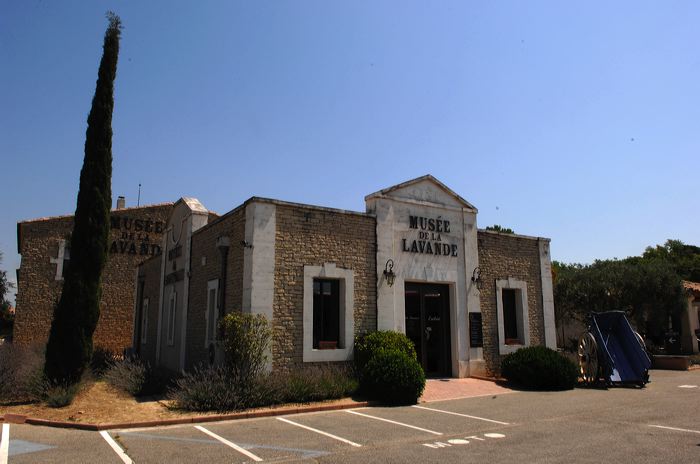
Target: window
column 212, row 314
column 326, row 317
column 144, row 320
column 329, row 325
column 171, row 318
column 513, row 320
column 510, row 317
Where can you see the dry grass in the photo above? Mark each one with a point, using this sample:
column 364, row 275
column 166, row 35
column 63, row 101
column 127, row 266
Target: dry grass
column 98, row 403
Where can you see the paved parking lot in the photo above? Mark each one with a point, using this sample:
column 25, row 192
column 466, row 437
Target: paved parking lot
column 655, row 424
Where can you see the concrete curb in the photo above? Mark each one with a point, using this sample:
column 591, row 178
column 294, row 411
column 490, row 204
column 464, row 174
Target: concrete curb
column 20, row 419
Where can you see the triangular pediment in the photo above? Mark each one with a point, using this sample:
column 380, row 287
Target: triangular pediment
column 424, row 189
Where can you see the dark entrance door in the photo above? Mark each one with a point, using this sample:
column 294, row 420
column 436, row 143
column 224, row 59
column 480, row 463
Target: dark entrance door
column 428, row 326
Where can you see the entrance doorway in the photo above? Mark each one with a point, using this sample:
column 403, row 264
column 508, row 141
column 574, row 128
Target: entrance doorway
column 428, row 326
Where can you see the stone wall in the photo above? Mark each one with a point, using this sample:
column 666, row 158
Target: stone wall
column 206, row 266
column 502, row 256
column 136, row 234
column 313, row 236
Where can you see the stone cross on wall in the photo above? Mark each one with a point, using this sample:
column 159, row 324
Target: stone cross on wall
column 60, row 260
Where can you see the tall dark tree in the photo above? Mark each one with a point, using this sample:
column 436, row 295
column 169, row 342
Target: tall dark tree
column 75, row 316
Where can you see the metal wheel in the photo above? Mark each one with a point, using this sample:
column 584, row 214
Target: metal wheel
column 588, row 358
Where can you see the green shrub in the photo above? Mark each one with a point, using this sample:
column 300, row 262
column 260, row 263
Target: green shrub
column 137, row 378
column 127, row 374
column 366, row 346
column 315, row 383
column 539, row 368
column 393, row 377
column 246, row 338
column 21, row 373
column 210, row 389
column 102, row 359
column 237, row 384
column 217, row 389
column 59, row 396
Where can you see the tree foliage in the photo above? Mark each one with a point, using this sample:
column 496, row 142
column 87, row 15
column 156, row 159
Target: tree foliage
column 648, row 287
column 75, row 316
column 6, row 319
column 501, row 229
column 684, row 258
column 5, row 285
column 245, row 343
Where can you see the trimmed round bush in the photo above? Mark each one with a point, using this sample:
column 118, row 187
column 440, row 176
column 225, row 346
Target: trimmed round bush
column 539, row 368
column 394, row 377
column 366, row 346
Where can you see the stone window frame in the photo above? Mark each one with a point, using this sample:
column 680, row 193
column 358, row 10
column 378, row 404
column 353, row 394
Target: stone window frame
column 521, row 311
column 172, row 309
column 211, row 311
column 346, row 278
column 144, row 320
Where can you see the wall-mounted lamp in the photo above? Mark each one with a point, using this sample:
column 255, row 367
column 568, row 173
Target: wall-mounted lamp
column 246, row 244
column 389, row 272
column 476, row 278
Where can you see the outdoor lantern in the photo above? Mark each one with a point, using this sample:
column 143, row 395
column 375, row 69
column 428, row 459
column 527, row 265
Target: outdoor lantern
column 476, row 278
column 389, row 272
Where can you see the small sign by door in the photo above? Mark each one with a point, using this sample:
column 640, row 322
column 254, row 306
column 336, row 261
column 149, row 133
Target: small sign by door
column 476, row 333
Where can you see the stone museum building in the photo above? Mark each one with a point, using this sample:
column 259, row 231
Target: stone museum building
column 413, row 262
column 44, row 244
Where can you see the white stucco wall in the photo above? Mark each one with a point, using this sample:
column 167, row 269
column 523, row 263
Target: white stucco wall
column 550, row 329
column 259, row 262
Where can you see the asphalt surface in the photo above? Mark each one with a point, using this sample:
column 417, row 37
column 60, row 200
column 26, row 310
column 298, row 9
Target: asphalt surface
column 660, row 423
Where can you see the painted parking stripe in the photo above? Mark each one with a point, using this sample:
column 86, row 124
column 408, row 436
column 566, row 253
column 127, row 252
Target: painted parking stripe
column 4, row 443
column 330, row 435
column 675, row 428
column 229, row 443
column 117, row 449
column 394, row 422
column 462, row 415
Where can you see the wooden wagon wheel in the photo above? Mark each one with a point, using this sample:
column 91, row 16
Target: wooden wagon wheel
column 645, row 378
column 589, row 366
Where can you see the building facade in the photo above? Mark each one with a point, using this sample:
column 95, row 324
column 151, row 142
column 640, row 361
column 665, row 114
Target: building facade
column 44, row 245
column 413, row 262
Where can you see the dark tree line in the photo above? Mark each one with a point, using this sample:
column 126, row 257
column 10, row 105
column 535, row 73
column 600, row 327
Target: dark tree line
column 647, row 287
column 6, row 319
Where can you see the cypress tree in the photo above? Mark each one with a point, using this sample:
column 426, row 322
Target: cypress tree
column 75, row 317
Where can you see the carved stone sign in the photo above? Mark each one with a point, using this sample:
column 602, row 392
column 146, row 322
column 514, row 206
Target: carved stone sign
column 135, row 236
column 430, row 237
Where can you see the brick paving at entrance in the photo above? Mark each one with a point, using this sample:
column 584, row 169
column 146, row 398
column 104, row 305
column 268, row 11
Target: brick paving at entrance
column 450, row 389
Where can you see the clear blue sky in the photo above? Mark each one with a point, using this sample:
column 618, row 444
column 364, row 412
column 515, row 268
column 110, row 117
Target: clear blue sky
column 578, row 122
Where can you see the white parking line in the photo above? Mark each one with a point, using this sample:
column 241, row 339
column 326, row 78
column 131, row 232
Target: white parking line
column 462, row 415
column 229, row 444
column 330, row 435
column 117, row 449
column 394, row 422
column 674, row 428
column 4, row 443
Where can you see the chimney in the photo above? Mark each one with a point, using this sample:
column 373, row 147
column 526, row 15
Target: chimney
column 121, row 202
